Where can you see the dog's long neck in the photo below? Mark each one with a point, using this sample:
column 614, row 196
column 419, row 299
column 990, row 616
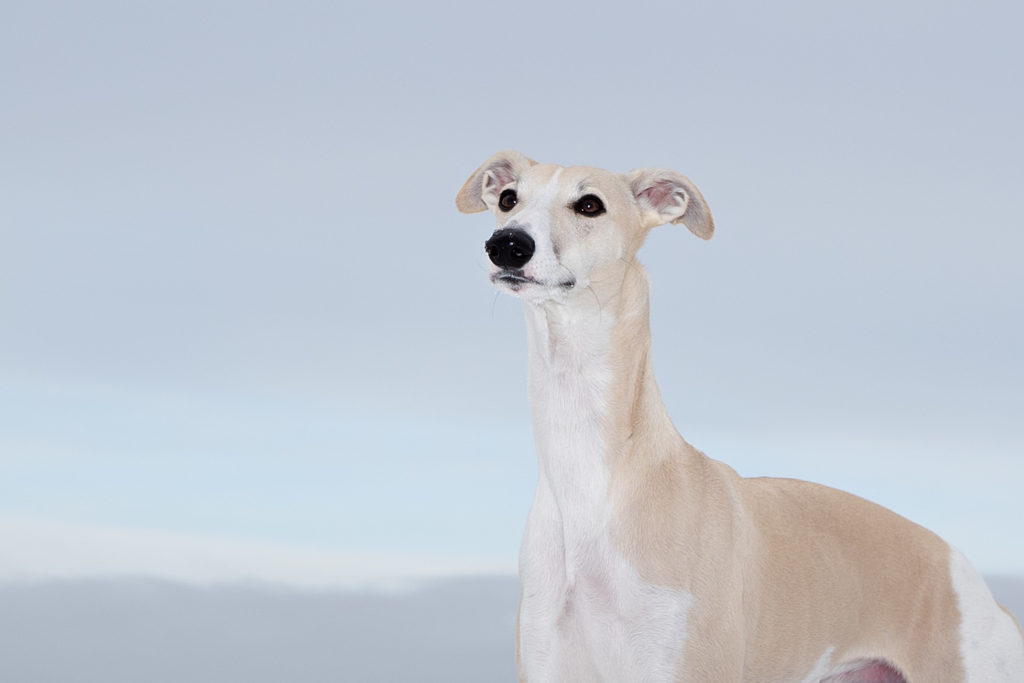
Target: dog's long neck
column 594, row 402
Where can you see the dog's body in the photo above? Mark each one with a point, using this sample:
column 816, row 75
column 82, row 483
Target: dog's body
column 644, row 560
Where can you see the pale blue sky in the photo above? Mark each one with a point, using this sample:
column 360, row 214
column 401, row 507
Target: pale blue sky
column 237, row 303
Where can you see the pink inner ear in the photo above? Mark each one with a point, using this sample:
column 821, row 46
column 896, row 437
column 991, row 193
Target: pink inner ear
column 659, row 195
column 503, row 173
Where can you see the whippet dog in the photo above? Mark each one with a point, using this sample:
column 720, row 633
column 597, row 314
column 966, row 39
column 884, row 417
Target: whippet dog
column 645, row 560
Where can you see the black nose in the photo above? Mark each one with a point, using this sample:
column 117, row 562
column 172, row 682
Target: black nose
column 509, row 248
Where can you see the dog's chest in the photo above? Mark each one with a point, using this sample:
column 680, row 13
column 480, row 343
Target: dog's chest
column 585, row 612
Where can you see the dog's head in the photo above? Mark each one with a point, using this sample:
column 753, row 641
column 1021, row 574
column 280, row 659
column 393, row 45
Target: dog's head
column 562, row 228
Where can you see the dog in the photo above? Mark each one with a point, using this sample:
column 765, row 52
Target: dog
column 642, row 558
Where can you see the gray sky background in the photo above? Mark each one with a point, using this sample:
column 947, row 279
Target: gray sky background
column 244, row 334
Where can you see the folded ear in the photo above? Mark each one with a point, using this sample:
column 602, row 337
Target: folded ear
column 481, row 190
column 669, row 197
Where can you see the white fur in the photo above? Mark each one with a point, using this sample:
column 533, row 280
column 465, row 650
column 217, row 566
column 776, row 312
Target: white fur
column 821, row 667
column 585, row 615
column 535, row 218
column 990, row 642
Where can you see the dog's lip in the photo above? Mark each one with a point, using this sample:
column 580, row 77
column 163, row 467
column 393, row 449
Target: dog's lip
column 515, row 279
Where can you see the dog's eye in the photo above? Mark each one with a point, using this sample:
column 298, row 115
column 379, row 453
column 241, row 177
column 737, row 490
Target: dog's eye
column 507, row 200
column 588, row 205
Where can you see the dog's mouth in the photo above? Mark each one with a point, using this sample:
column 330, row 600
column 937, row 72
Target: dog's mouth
column 515, row 280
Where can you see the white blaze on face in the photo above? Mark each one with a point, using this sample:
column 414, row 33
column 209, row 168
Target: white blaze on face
column 536, row 219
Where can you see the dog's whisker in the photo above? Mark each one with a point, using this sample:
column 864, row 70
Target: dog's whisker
column 494, row 303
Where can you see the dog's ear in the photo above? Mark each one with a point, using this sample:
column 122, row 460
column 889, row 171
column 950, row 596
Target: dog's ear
column 669, row 197
column 481, row 190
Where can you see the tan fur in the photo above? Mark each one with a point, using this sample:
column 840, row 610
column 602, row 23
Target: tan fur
column 781, row 570
column 748, row 546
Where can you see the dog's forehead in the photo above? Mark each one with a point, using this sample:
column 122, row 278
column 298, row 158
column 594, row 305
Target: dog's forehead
column 570, row 180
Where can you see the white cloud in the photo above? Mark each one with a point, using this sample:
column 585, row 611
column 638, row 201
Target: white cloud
column 34, row 550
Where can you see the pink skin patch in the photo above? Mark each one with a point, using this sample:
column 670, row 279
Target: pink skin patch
column 869, row 672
